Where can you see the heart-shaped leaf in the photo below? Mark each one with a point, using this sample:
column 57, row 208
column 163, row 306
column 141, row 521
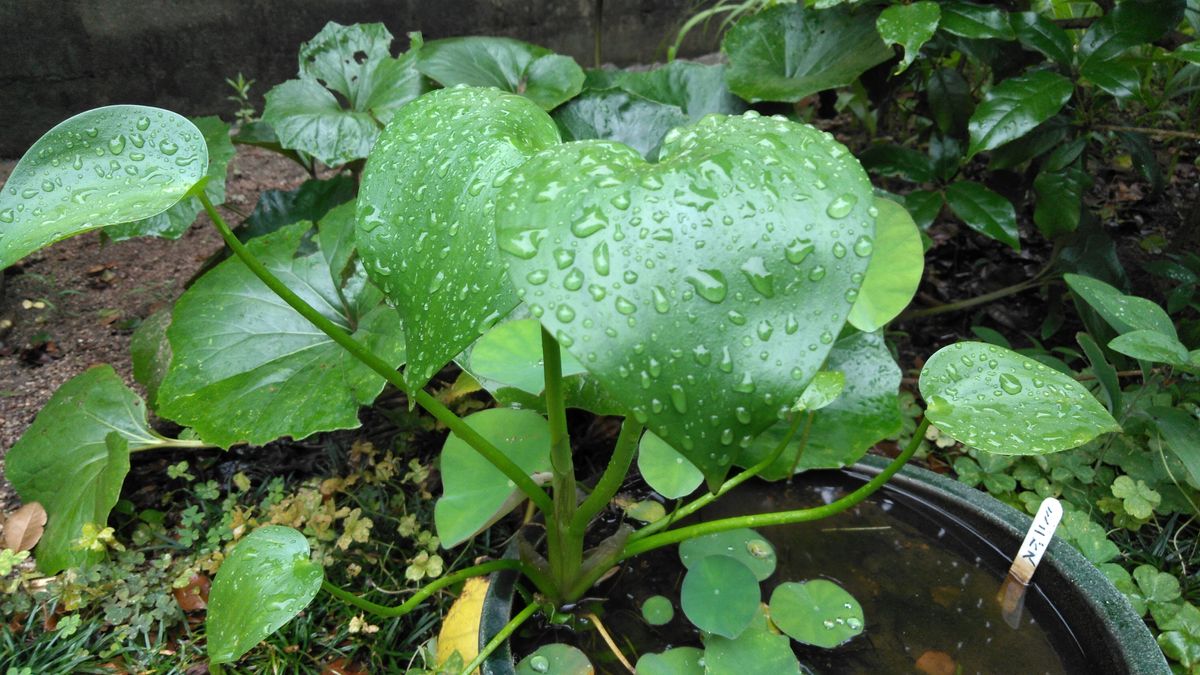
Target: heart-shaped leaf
column 743, row 545
column 67, row 462
column 172, row 223
column 759, row 650
column 720, row 595
column 1125, row 313
column 897, row 263
column 247, row 367
column 984, row 211
column 353, row 61
column 264, row 582
column 909, row 26
column 817, row 612
column 703, row 292
column 788, row 52
column 103, row 167
column 546, row 78
column 1015, row 107
column 996, row 400
column 677, row 661
column 666, row 471
column 866, row 412
column 618, row 116
column 426, row 210
column 474, row 492
column 695, row 88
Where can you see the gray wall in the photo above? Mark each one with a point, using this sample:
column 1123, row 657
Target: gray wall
column 61, row 57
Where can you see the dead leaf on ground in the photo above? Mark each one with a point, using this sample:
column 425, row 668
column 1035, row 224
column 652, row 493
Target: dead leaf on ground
column 936, row 663
column 194, row 596
column 24, row 527
column 343, row 667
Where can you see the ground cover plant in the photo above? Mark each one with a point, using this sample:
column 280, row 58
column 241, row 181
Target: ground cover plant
column 641, row 245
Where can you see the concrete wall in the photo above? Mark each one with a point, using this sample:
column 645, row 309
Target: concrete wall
column 61, row 57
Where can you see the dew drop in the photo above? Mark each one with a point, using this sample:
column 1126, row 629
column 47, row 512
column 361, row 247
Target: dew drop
column 842, row 206
column 574, row 280
column 600, row 259
column 798, row 250
column 624, row 306
column 537, row 277
column 817, row 273
column 564, row 258
column 1010, row 384
column 759, row 277
column 661, row 304
column 839, row 250
column 709, row 284
column 863, row 247
column 116, row 144
column 168, row 148
column 679, row 398
column 143, row 123
column 565, row 314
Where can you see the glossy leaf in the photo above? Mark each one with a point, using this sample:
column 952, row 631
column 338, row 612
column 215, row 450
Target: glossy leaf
column 759, row 650
column 894, row 160
column 816, row 612
column 619, row 116
column 1046, row 137
column 909, row 26
column 695, row 88
column 666, row 471
column 150, row 352
column 984, row 211
column 950, row 100
column 1001, row 402
column 1188, row 52
column 924, row 206
column 247, row 367
column 104, row 167
column 822, row 390
column 429, row 243
column 1015, row 107
column 1132, row 22
column 1123, row 312
column 670, row 292
column 474, row 492
column 1060, row 199
column 354, row 61
column 311, row 201
column 1040, row 34
column 866, row 412
column 657, row 610
column 546, row 78
column 335, row 237
column 555, row 658
column 743, row 545
column 788, row 52
column 720, row 595
column 266, row 580
column 1181, row 437
column 1151, row 345
column 897, row 263
column 1119, row 77
column 979, row 22
column 73, row 460
column 677, row 661
column 175, row 221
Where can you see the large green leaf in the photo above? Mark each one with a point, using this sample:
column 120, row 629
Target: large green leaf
column 894, row 160
column 354, row 61
column 817, row 612
column 788, row 52
column 1123, row 312
column 1132, row 22
column 546, row 78
column 909, row 26
column 103, row 167
column 474, row 492
column 979, row 22
column 247, row 367
column 720, row 595
column 73, row 460
column 426, row 210
column 264, row 582
column 150, row 352
column 867, row 412
column 984, row 211
column 1015, row 107
column 695, row 88
column 619, row 116
column 1039, row 33
column 175, row 221
column 759, row 650
column 704, row 291
column 1001, row 402
column 950, row 100
column 897, row 263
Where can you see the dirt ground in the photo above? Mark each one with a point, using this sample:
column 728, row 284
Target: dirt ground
column 75, row 304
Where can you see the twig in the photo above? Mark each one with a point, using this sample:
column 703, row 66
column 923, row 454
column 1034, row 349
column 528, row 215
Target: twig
column 1166, row 133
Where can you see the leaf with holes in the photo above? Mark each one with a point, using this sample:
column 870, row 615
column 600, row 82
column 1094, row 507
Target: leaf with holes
column 998, row 401
column 704, row 291
column 546, row 78
column 429, row 244
column 104, row 167
column 909, row 26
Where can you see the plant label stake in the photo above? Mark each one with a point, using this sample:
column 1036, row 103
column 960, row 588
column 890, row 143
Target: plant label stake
column 1037, row 540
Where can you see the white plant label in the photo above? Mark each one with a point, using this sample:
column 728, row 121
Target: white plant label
column 1036, row 540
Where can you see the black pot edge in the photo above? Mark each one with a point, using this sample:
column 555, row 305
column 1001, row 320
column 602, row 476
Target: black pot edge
column 1098, row 612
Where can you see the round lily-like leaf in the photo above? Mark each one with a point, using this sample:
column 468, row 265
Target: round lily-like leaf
column 475, row 493
column 789, row 51
column 817, row 612
column 744, row 545
column 1001, row 402
column 425, row 215
column 104, row 167
column 546, row 78
column 657, row 610
column 720, row 595
column 759, row 650
column 866, row 412
column 74, row 457
column 557, row 659
column 1125, row 313
column 897, row 262
column 678, row 661
column 247, row 367
column 264, row 582
column 669, row 473
column 704, row 291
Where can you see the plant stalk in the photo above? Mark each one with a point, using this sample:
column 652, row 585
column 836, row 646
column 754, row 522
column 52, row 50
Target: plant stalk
column 429, row 403
column 564, row 551
column 612, row 478
column 493, row 644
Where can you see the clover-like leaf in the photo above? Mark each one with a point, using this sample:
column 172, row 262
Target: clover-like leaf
column 666, row 471
column 984, row 211
column 704, row 291
column 474, row 492
column 546, row 78
column 897, row 263
column 1138, row 499
column 759, row 650
column 262, row 584
column 999, row 401
column 788, row 52
column 103, row 167
column 816, row 612
column 909, row 26
column 247, row 367
column 720, row 595
column 1125, row 313
column 1015, row 107
column 74, row 457
column 426, row 212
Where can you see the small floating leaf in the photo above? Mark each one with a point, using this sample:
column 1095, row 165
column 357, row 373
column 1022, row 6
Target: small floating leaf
column 759, row 650
column 744, row 545
column 678, row 661
column 817, row 612
column 720, row 595
column 555, row 659
column 657, row 610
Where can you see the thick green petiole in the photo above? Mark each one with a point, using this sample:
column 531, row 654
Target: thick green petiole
column 564, row 551
column 614, row 474
column 429, row 403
